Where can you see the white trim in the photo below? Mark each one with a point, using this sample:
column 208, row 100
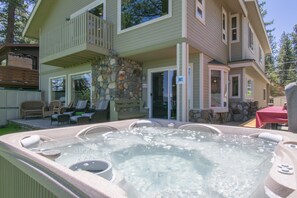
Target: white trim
column 50, row 88
column 184, row 19
column 185, row 64
column 201, row 83
column 70, row 88
column 224, row 23
column 202, row 8
column 253, row 38
column 119, row 18
column 260, row 54
column 89, row 7
column 190, row 87
column 149, row 90
column 239, row 85
column 222, row 69
column 247, row 78
column 237, row 28
column 178, row 86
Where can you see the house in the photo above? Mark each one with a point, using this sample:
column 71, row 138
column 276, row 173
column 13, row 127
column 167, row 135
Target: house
column 183, row 58
column 19, row 66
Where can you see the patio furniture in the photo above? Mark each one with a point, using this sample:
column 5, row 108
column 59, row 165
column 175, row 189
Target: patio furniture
column 53, row 107
column 81, row 106
column 100, row 113
column 60, row 118
column 272, row 114
column 126, row 109
column 34, row 108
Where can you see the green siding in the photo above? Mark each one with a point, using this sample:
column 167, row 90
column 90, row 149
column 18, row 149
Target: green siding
column 194, row 59
column 158, row 33
column 14, row 183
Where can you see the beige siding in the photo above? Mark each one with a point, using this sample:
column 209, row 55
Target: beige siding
column 206, row 80
column 149, row 36
column 259, row 85
column 208, row 38
column 247, row 52
column 236, row 47
column 194, row 59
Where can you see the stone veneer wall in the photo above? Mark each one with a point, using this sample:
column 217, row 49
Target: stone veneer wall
column 116, row 78
column 208, row 116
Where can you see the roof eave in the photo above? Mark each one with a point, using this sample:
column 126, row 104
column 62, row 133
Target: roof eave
column 32, row 15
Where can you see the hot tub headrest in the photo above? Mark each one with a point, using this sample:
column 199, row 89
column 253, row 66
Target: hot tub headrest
column 30, row 141
column 271, row 137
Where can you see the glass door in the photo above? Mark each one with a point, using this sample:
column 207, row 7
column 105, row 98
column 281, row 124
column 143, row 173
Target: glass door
column 164, row 94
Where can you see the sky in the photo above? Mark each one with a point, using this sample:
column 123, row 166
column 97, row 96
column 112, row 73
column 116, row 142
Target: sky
column 284, row 14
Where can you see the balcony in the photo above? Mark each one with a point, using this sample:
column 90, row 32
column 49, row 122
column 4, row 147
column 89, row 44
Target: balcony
column 76, row 41
column 18, row 77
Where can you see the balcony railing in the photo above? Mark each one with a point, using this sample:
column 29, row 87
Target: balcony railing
column 85, row 29
column 18, row 77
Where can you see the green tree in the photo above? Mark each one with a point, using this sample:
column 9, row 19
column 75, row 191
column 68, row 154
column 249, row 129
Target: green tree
column 13, row 16
column 286, row 67
column 294, row 41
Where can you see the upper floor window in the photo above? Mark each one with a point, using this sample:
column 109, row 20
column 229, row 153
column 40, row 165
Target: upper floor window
column 224, row 26
column 200, row 10
column 136, row 12
column 235, row 86
column 260, row 55
column 235, row 28
column 251, row 39
column 58, row 89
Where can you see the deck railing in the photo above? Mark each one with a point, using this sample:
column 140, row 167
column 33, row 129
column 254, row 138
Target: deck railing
column 83, row 29
column 18, row 77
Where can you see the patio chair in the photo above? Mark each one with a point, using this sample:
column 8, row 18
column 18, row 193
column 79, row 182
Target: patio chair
column 53, row 107
column 100, row 113
column 67, row 112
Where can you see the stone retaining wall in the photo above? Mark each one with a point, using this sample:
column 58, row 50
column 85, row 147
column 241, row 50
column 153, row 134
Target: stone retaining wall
column 115, row 78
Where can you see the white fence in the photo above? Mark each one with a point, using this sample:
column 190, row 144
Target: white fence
column 10, row 101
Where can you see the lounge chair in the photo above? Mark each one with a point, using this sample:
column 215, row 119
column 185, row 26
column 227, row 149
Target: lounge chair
column 100, row 113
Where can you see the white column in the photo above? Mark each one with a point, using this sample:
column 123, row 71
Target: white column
column 184, row 73
column 201, row 81
column 178, row 66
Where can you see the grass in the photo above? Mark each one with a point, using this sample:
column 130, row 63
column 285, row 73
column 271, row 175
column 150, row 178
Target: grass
column 11, row 128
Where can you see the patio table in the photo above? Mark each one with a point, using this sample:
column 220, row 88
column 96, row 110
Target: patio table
column 274, row 114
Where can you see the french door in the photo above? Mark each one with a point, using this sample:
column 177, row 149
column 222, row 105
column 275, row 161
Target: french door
column 163, row 100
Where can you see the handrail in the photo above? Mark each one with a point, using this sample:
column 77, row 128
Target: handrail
column 83, row 29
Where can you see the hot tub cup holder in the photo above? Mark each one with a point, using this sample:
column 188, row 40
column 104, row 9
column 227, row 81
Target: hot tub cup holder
column 99, row 167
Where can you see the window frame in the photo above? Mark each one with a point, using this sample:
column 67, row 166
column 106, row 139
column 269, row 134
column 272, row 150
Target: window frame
column 201, row 6
column 69, row 85
column 251, row 39
column 264, row 94
column 222, row 69
column 119, row 18
column 237, row 28
column 248, row 78
column 224, row 24
column 231, row 85
column 50, row 87
column 260, row 55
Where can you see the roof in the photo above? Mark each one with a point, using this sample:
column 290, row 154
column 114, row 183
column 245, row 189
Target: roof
column 13, row 45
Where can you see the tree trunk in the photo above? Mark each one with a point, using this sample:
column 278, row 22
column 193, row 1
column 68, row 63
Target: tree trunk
column 10, row 22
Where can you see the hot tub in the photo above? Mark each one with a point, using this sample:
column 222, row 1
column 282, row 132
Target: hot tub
column 149, row 158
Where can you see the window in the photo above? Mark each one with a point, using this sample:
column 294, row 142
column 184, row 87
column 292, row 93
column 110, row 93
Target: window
column 224, row 26
column 264, row 94
column 249, row 88
column 251, row 39
column 235, row 86
column 80, row 87
column 200, row 10
column 260, row 55
column 219, row 89
column 57, row 89
column 235, row 28
column 136, row 12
